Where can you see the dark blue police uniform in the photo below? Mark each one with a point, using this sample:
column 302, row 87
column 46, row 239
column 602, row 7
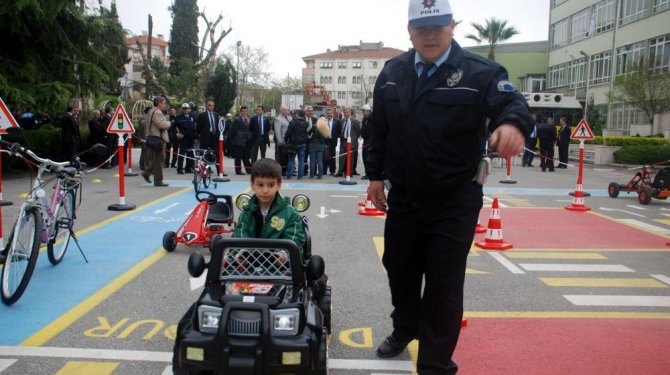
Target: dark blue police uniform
column 428, row 144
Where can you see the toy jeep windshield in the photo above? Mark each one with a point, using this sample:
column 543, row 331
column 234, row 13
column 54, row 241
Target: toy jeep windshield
column 263, row 310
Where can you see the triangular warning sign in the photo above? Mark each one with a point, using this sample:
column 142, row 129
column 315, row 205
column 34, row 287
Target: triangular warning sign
column 120, row 122
column 6, row 118
column 582, row 131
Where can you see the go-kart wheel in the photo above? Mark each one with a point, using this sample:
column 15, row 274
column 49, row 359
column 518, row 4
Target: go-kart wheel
column 613, row 190
column 644, row 196
column 169, row 241
column 202, row 195
column 325, row 306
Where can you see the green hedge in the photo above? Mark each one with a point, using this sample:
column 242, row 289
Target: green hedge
column 642, row 154
column 628, row 141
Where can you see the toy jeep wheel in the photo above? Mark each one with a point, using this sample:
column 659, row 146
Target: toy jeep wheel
column 325, row 305
column 321, row 365
column 644, row 196
column 169, row 241
column 613, row 190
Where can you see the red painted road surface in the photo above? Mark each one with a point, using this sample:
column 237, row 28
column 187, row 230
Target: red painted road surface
column 548, row 346
column 549, row 228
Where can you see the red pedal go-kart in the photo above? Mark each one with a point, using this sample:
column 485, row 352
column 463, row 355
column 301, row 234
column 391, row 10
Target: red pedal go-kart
column 642, row 183
column 213, row 215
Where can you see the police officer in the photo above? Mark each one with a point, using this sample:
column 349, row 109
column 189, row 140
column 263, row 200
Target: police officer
column 187, row 135
column 428, row 129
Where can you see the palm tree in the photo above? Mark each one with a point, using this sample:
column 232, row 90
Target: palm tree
column 494, row 32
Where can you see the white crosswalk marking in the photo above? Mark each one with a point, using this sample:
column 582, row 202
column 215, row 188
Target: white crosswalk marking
column 506, row 263
column 575, row 267
column 643, row 225
column 662, row 278
column 167, row 371
column 5, row 363
column 605, row 300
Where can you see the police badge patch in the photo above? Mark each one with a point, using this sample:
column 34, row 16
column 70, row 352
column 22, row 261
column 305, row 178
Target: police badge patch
column 454, row 78
column 506, row 86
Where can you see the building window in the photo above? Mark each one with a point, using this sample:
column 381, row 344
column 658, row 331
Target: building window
column 557, row 2
column 536, row 84
column 603, row 13
column 661, row 5
column 625, row 114
column 659, row 54
column 557, row 76
column 356, row 64
column 341, row 94
column 629, row 58
column 326, row 65
column 559, row 33
column 372, row 80
column 577, row 73
column 632, row 10
column 580, row 24
column 600, row 68
column 342, row 79
column 356, row 95
column 372, row 64
column 342, row 64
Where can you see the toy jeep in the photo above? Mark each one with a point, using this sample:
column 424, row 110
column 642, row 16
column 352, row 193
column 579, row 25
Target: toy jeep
column 263, row 310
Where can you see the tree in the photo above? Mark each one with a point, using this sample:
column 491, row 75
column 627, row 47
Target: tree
column 183, row 47
column 55, row 52
column 221, row 86
column 208, row 47
column 643, row 89
column 494, row 32
column 253, row 67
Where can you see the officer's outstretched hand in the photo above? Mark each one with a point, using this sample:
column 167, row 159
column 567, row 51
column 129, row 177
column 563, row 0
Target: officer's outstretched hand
column 507, row 140
column 376, row 193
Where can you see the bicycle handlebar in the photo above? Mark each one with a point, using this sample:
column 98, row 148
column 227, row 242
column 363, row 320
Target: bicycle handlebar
column 15, row 148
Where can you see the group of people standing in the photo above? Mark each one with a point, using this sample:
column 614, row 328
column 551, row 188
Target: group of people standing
column 549, row 137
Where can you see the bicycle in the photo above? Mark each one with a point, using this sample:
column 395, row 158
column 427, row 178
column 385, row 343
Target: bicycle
column 202, row 171
column 41, row 219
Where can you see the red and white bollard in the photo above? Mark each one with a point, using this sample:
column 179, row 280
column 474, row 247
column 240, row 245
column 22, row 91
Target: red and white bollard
column 508, row 180
column 348, row 180
column 222, row 176
column 578, row 198
column 121, row 206
column 130, row 172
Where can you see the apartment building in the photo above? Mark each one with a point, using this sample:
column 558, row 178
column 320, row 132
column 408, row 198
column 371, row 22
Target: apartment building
column 349, row 73
column 593, row 41
column 133, row 77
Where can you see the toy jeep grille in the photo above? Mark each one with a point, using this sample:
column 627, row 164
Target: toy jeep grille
column 261, row 263
column 244, row 323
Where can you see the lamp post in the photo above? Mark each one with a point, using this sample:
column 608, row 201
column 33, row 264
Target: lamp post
column 237, row 75
column 588, row 78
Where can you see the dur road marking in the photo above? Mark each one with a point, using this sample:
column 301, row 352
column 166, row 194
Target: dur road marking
column 630, row 301
column 575, row 267
column 602, row 282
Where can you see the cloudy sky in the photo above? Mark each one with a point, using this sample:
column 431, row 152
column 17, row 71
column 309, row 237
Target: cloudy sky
column 291, row 29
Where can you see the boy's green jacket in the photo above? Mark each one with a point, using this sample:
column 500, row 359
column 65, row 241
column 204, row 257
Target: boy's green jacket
column 282, row 222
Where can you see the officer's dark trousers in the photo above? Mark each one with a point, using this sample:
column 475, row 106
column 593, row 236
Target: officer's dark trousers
column 242, row 155
column 430, row 238
column 546, row 156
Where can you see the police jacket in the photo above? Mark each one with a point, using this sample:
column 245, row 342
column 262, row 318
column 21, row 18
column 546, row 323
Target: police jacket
column 434, row 141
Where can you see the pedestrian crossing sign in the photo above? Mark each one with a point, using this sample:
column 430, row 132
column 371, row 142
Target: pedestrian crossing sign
column 120, row 122
column 582, row 131
column 6, row 118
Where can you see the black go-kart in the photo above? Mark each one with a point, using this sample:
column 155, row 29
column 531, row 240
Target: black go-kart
column 643, row 185
column 265, row 309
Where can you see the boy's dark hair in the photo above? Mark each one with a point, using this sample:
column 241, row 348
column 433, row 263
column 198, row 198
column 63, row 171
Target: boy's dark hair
column 267, row 168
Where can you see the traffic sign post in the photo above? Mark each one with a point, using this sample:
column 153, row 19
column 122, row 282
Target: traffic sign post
column 6, row 121
column 582, row 132
column 121, row 125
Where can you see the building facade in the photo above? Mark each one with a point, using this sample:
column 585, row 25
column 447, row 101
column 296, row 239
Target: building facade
column 349, row 73
column 591, row 42
column 133, row 78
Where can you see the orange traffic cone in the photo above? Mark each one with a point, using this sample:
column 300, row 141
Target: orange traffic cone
column 494, row 237
column 578, row 199
column 479, row 228
column 369, row 209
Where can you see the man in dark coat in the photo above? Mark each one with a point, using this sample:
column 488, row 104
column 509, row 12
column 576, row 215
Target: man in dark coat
column 546, row 132
column 70, row 133
column 563, row 143
column 240, row 141
column 260, row 137
column 187, row 136
column 208, row 132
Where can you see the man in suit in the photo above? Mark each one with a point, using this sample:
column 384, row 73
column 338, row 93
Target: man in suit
column 260, row 139
column 366, row 133
column 351, row 128
column 70, row 133
column 547, row 134
column 240, row 141
column 335, row 128
column 187, row 135
column 563, row 143
column 531, row 141
column 207, row 122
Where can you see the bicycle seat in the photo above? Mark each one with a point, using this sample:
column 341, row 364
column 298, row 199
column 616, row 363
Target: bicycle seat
column 70, row 171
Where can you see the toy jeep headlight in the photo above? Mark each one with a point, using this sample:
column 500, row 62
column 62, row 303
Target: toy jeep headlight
column 208, row 318
column 285, row 322
column 300, row 203
column 242, row 201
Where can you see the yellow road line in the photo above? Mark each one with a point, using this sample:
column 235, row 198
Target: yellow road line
column 567, row 314
column 602, row 282
column 57, row 326
column 86, row 368
column 553, row 255
column 379, row 246
column 663, row 221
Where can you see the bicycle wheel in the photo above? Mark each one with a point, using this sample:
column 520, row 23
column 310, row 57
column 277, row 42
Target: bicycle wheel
column 207, row 179
column 22, row 251
column 196, row 178
column 60, row 229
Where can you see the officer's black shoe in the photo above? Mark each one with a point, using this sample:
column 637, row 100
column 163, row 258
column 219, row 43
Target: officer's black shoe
column 391, row 347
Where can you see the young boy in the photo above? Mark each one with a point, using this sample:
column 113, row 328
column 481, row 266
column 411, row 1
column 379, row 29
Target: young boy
column 269, row 214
